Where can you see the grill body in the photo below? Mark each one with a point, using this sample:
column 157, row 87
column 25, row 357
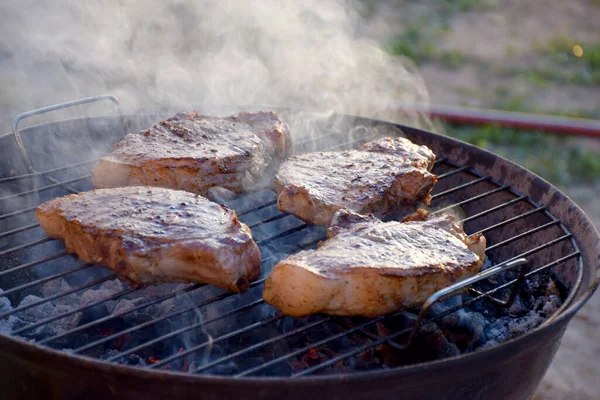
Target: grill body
column 511, row 370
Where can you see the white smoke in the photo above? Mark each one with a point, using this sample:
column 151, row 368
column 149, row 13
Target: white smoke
column 189, row 54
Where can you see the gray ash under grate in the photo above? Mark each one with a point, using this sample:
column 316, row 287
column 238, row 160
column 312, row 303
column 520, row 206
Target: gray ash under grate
column 53, row 299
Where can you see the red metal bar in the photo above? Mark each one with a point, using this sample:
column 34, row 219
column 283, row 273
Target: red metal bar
column 519, row 120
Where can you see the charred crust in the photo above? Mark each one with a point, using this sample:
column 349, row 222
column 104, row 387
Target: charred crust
column 419, row 215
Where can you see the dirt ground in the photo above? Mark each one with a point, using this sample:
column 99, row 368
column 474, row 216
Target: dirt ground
column 492, row 39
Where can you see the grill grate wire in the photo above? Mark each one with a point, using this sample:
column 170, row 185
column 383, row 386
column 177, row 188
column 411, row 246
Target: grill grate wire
column 374, row 340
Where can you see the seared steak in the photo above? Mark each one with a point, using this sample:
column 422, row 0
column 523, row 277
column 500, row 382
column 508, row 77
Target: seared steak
column 193, row 152
column 151, row 235
column 372, row 268
column 418, row 156
column 386, row 177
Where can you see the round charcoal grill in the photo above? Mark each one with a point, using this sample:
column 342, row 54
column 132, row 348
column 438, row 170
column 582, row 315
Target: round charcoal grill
column 71, row 330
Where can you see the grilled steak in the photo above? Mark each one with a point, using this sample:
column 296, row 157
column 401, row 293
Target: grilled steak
column 387, row 176
column 151, row 235
column 372, row 268
column 418, row 156
column 193, row 152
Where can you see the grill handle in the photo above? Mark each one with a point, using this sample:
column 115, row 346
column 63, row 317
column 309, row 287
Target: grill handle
column 43, row 110
column 520, row 263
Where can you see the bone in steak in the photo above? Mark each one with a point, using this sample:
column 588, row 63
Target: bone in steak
column 386, row 176
column 193, row 152
column 151, row 235
column 371, row 268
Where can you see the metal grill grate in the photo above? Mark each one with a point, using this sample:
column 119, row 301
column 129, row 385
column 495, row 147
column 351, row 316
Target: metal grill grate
column 501, row 219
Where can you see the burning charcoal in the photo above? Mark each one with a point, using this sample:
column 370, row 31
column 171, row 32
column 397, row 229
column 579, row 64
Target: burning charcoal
column 7, row 325
column 54, row 286
column 36, row 313
column 125, row 306
column 465, row 329
column 98, row 295
column 166, row 307
column 548, row 305
column 341, row 367
column 317, row 356
column 60, row 325
column 552, row 289
column 518, row 307
column 131, row 359
column 434, row 345
column 98, row 311
column 158, row 291
column 388, row 354
column 507, row 327
column 59, row 286
column 113, row 286
column 298, row 365
column 110, row 305
column 362, row 360
column 5, row 304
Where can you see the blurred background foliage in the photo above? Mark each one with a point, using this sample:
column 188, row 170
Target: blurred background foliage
column 483, row 53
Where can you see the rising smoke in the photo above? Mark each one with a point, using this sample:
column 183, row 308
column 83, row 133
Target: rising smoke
column 188, row 54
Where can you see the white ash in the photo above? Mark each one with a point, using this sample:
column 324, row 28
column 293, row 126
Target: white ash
column 171, row 305
column 98, row 295
column 48, row 310
column 473, row 322
column 7, row 325
column 59, row 286
column 124, row 306
column 113, row 286
column 518, row 307
column 5, row 304
column 507, row 328
column 485, row 325
column 62, row 325
column 511, row 326
column 166, row 307
column 35, row 313
column 551, row 306
column 158, row 291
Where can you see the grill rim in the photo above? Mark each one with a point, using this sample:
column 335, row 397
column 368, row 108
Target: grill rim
column 563, row 315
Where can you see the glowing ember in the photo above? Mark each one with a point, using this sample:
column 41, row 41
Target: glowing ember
column 106, row 331
column 152, row 360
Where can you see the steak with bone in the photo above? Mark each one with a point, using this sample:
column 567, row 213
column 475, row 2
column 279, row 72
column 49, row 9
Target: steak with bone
column 386, row 176
column 149, row 235
column 195, row 153
column 370, row 268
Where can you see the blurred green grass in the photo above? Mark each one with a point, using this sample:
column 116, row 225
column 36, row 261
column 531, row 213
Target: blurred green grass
column 556, row 158
column 552, row 63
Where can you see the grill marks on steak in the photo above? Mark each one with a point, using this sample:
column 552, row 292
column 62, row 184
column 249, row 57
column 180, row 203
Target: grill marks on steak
column 386, row 176
column 152, row 235
column 371, row 268
column 194, row 153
